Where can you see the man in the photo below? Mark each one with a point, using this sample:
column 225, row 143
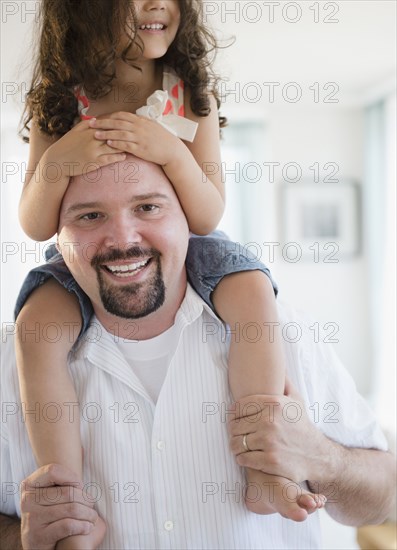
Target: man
column 158, row 466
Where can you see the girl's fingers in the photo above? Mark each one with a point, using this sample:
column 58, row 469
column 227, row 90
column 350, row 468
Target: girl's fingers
column 123, row 115
column 104, row 160
column 106, row 149
column 111, row 158
column 127, row 146
column 114, row 125
column 118, row 135
column 114, row 119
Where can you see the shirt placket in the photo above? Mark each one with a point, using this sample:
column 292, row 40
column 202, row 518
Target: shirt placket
column 164, row 469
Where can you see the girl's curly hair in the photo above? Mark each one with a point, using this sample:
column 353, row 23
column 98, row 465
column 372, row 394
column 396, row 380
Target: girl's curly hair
column 78, row 43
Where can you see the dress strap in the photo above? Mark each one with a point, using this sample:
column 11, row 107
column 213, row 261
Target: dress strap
column 175, row 88
column 83, row 103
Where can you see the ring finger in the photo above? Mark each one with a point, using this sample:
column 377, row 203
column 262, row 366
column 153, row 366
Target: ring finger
column 243, row 443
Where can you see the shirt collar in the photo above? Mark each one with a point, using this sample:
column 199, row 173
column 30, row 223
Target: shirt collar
column 192, row 307
column 97, row 340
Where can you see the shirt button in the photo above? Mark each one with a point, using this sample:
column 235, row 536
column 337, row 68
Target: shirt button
column 160, row 445
column 168, row 525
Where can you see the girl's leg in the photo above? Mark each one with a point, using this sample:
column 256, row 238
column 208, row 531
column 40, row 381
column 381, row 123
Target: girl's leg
column 246, row 302
column 47, row 327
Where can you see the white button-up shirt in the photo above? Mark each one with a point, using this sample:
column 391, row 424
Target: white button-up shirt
column 162, row 476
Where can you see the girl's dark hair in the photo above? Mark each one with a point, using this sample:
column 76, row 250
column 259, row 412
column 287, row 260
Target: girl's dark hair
column 78, row 47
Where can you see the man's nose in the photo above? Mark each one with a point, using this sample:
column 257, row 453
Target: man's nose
column 123, row 232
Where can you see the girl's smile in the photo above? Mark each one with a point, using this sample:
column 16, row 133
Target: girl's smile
column 158, row 23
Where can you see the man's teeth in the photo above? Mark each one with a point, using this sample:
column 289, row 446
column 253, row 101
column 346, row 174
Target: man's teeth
column 126, row 270
column 153, row 27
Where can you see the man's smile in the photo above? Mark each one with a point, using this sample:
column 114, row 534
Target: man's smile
column 125, row 265
column 126, row 270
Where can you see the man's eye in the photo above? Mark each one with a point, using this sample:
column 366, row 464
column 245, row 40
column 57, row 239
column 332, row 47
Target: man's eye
column 148, row 208
column 90, row 216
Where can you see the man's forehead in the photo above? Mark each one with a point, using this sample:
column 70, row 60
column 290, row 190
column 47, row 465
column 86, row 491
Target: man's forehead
column 133, row 171
column 130, row 176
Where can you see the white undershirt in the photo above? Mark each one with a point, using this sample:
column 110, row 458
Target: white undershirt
column 150, row 359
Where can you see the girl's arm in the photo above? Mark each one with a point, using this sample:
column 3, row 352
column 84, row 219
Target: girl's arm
column 48, row 395
column 47, row 391
column 193, row 169
column 37, row 221
column 197, row 177
column 52, row 161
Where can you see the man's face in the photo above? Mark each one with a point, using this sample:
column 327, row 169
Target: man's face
column 124, row 237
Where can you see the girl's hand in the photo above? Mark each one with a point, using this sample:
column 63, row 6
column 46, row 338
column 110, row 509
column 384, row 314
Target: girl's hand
column 139, row 136
column 78, row 152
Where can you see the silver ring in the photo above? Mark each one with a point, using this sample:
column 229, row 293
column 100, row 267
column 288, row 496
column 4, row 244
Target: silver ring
column 245, row 444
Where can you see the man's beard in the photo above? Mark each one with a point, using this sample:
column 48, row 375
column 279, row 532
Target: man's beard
column 134, row 300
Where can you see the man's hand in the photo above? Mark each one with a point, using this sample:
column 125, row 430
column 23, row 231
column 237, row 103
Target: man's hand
column 281, row 438
column 359, row 483
column 53, row 507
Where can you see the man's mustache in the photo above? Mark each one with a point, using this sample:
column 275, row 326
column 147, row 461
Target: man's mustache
column 134, row 252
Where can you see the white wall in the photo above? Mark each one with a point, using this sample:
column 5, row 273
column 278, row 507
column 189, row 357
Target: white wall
column 332, row 292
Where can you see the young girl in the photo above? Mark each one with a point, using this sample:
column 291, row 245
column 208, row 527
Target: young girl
column 101, row 57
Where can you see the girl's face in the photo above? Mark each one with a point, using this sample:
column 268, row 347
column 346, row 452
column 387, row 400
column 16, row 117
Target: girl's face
column 158, row 23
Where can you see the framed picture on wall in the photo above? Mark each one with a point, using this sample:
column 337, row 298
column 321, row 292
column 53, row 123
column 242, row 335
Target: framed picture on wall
column 322, row 216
